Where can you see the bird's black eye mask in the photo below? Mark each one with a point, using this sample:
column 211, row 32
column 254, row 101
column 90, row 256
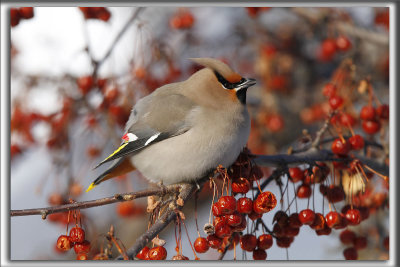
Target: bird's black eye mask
column 227, row 84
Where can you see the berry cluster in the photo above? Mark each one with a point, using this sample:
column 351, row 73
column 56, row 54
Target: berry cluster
column 330, row 46
column 17, row 14
column 75, row 239
column 348, row 237
column 155, row 253
column 100, row 13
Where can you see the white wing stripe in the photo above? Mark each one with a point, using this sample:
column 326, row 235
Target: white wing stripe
column 151, row 139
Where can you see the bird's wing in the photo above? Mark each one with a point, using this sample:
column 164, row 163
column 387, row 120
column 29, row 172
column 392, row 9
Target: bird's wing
column 152, row 120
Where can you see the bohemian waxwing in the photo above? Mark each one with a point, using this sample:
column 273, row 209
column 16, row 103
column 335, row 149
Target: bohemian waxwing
column 184, row 130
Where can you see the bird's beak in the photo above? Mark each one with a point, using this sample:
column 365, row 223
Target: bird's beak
column 246, row 84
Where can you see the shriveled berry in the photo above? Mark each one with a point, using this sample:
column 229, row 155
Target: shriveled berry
column 201, row 245
column 63, row 243
column 265, row 241
column 265, row 202
column 254, row 215
column 82, row 247
column 227, row 204
column 325, row 231
column 244, row 205
column 82, row 256
column 77, row 234
column 284, row 241
column 240, row 227
column 233, row 219
column 319, row 222
column 222, row 229
column 214, row 241
column 241, row 185
column 158, row 253
column 259, row 254
column 216, row 209
column 281, row 218
column 143, row 254
column 248, row 242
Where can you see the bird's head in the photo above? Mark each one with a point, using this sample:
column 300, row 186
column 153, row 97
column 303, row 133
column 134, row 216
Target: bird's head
column 219, row 81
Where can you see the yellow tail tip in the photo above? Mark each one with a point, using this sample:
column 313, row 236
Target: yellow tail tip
column 91, row 186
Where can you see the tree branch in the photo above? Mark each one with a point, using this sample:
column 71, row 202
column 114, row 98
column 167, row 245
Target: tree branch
column 97, row 202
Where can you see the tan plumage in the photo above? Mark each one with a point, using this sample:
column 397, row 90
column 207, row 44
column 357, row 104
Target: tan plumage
column 183, row 130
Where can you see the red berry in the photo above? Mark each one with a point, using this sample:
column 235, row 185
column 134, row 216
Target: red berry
column 336, row 101
column 347, row 120
column 244, row 205
column 350, row 254
column 201, row 245
column 265, row 241
column 254, row 215
column 227, row 204
column 281, row 218
column 284, row 242
column 347, row 237
column 14, row 17
column 353, row 216
column 240, row 227
column 357, row 142
column 343, row 43
column 290, row 231
column 275, row 123
column 241, row 185
column 216, row 209
column 82, row 247
column 325, row 231
column 234, row 219
column 278, row 230
column 383, row 111
column 248, row 242
column 304, row 191
column 294, row 221
column 259, row 254
column 26, row 12
column 214, row 241
column 265, row 202
column 296, row 174
column 371, row 127
column 335, row 194
column 63, row 243
column 144, row 253
column 360, row 242
column 329, row 90
column 367, row 113
column 77, row 234
column 341, row 148
column 158, row 253
column 328, row 49
column 222, row 229
column 82, row 256
column 319, row 222
column 342, row 222
column 307, row 216
column 332, row 219
column 85, row 84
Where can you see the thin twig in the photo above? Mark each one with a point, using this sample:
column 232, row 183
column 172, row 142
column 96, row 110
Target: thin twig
column 95, row 203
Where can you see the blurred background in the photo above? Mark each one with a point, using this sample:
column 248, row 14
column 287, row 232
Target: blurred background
column 63, row 122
